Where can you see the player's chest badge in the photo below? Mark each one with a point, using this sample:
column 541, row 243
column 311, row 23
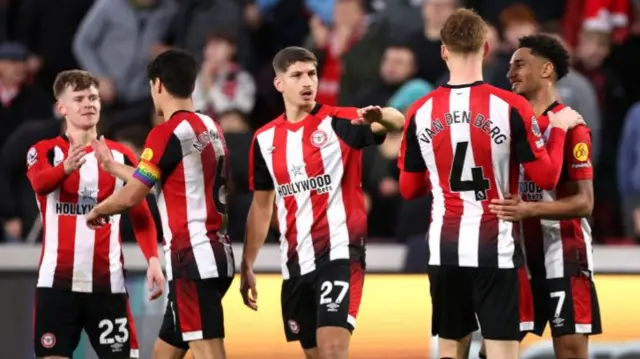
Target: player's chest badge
column 319, row 138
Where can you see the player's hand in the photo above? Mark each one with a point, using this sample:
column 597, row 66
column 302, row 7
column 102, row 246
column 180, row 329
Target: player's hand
column 75, row 157
column 155, row 279
column 511, row 208
column 368, row 115
column 103, row 153
column 95, row 220
column 248, row 288
column 566, row 119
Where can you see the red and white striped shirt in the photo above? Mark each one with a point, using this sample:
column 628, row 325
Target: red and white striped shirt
column 555, row 249
column 469, row 140
column 185, row 161
column 75, row 257
column 315, row 167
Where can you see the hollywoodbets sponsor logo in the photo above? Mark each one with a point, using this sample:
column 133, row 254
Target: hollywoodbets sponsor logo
column 320, row 184
column 73, row 209
column 530, row 191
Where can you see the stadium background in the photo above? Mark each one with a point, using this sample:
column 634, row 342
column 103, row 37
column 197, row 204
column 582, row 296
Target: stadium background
column 234, row 41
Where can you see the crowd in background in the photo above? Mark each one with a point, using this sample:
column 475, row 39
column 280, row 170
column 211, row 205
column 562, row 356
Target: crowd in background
column 382, row 52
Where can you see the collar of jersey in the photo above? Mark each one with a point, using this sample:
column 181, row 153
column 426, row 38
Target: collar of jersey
column 297, row 125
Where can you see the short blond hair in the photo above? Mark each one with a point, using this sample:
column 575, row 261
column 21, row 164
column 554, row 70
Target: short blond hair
column 464, row 32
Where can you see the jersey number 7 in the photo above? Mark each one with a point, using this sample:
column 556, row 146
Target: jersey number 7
column 478, row 183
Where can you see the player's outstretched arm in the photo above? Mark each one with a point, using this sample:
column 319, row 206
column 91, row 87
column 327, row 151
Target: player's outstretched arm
column 44, row 177
column 381, row 119
column 132, row 194
column 108, row 163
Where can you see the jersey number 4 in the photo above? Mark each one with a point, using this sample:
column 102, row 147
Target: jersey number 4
column 478, row 183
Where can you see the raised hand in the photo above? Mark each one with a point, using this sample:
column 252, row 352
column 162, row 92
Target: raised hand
column 103, row 153
column 368, row 115
column 75, row 157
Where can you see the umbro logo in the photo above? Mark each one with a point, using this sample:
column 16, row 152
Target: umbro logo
column 271, row 149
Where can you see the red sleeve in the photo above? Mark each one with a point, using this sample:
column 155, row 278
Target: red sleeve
column 44, row 177
column 143, row 225
column 410, row 157
column 578, row 154
column 259, row 176
column 413, row 184
column 543, row 165
column 162, row 153
column 144, row 229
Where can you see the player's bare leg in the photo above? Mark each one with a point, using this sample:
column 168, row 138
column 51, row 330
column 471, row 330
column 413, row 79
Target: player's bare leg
column 311, row 353
column 333, row 342
column 164, row 350
column 572, row 346
column 208, row 349
column 502, row 349
column 454, row 349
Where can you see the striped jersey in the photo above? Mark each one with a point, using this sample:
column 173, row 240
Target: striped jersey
column 75, row 257
column 553, row 248
column 184, row 161
column 470, row 139
column 315, row 168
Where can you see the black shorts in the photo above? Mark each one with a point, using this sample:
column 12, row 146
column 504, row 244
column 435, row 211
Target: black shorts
column 194, row 311
column 569, row 304
column 499, row 298
column 60, row 316
column 327, row 297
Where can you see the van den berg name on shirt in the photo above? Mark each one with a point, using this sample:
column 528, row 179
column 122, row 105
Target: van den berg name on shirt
column 480, row 121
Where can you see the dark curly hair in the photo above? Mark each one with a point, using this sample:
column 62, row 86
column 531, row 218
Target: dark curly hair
column 549, row 48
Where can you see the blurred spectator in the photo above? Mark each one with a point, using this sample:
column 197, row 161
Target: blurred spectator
column 238, row 136
column 546, row 11
column 222, row 84
column 624, row 58
column 404, row 17
column 577, row 92
column 47, row 28
column 114, row 42
column 20, row 101
column 516, row 21
column 275, row 24
column 629, row 172
column 397, row 67
column 349, row 52
column 381, row 183
column 18, row 208
column 197, row 18
column 426, row 43
column 593, row 48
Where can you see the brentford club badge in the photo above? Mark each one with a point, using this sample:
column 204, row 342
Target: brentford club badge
column 295, row 328
column 48, row 340
column 319, row 138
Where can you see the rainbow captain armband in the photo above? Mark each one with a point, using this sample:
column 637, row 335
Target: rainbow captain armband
column 147, row 173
